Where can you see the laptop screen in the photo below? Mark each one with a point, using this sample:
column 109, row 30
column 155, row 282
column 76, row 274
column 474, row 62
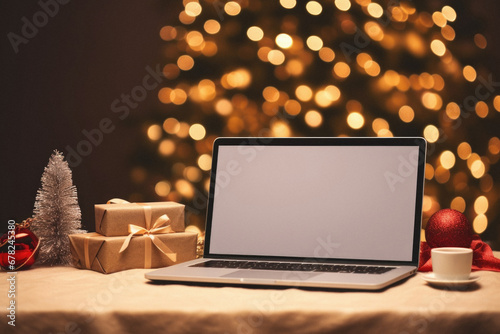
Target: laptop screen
column 337, row 198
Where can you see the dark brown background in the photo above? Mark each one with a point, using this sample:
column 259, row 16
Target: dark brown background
column 64, row 80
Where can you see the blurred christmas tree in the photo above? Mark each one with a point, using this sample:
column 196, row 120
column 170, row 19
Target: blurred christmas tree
column 325, row 68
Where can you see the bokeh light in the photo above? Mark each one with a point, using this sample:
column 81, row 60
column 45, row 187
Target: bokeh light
column 326, row 68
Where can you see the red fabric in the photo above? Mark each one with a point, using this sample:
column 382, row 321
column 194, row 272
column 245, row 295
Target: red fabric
column 483, row 258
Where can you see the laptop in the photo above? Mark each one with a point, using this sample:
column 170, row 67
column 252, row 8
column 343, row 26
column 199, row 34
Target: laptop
column 310, row 212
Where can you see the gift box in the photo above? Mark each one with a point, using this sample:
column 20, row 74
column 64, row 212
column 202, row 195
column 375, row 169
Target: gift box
column 114, row 219
column 111, row 254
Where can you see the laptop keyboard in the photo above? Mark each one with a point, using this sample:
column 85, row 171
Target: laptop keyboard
column 293, row 266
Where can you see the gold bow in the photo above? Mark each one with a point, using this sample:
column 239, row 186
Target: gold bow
column 148, row 232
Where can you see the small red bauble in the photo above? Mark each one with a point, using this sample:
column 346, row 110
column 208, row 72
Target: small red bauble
column 18, row 248
column 448, row 228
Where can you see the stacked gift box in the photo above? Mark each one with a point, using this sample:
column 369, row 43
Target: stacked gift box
column 134, row 235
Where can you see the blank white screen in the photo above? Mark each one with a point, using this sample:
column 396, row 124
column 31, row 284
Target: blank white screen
column 345, row 202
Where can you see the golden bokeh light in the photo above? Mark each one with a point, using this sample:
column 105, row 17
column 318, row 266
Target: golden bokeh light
column 480, row 41
column 432, row 101
column 374, row 30
column 448, row 33
column 171, row 71
column 453, row 110
column 178, row 96
column 372, row 68
column 197, row 131
column 314, row 8
column 449, row 13
column 192, row 174
column 431, row 133
column 232, row 8
column 185, row 18
column 263, row 52
column 379, row 124
column 496, row 103
column 183, row 130
column 477, row 169
column 480, row 223
column 486, row 183
column 171, row 125
column 304, row 93
column 154, row 132
column 426, row 203
column 327, row 96
column 481, row 205
column 458, row 203
column 429, row 171
column 280, row 129
column 205, row 162
column 313, row 118
column 341, row 70
column 415, row 44
column 439, row 19
column 185, row 188
column 406, row 114
column 438, row 47
column 326, row 54
column 469, row 73
column 355, row 120
column 363, row 58
column 271, row 94
column 224, row 107
column 441, row 174
column 288, row 4
column 164, row 95
column 292, row 107
column 314, row 43
column 482, row 109
column 447, row 159
column 185, row 62
column 295, row 67
column 375, row 10
column 255, row 33
column 353, row 105
column 494, row 145
column 212, row 27
column 168, row 33
column 166, row 147
column 206, row 89
column 464, row 150
column 276, row 57
column 193, row 9
column 162, row 188
column 284, row 41
column 343, row 5
column 237, row 79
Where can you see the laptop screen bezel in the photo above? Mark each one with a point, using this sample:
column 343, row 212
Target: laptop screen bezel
column 321, row 141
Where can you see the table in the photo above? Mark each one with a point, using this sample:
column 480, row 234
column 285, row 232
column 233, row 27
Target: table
column 68, row 300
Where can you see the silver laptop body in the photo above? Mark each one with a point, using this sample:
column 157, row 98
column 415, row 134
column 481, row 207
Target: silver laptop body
column 310, row 212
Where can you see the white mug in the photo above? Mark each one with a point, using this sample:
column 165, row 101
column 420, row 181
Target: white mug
column 451, row 263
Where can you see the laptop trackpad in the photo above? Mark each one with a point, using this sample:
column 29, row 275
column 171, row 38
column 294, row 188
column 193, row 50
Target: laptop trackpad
column 270, row 274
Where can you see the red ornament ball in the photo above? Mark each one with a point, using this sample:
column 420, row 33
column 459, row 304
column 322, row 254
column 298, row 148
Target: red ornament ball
column 18, row 248
column 448, row 228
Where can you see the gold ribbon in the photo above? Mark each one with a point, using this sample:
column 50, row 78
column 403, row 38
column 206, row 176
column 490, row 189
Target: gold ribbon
column 148, row 232
column 86, row 250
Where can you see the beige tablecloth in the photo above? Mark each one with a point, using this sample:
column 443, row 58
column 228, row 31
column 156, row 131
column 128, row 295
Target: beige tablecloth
column 69, row 300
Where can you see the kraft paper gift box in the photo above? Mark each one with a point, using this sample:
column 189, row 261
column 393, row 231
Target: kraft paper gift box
column 114, row 219
column 100, row 253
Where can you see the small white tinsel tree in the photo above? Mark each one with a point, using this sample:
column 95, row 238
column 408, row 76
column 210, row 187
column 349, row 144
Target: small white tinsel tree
column 56, row 213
